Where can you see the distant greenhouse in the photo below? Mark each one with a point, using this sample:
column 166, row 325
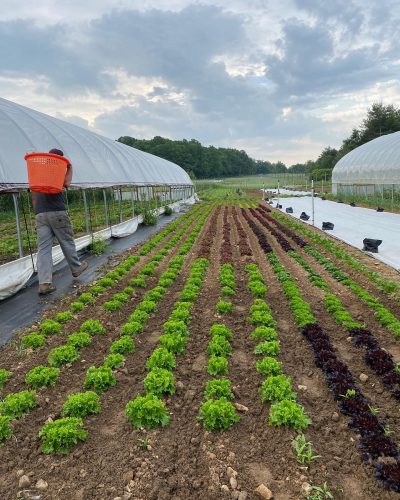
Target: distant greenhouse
column 372, row 169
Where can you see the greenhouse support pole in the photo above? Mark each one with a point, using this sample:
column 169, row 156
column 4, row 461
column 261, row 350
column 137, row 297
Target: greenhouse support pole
column 19, row 234
column 120, row 204
column 133, row 204
column 278, row 195
column 105, row 208
column 312, row 199
column 86, row 211
column 392, row 196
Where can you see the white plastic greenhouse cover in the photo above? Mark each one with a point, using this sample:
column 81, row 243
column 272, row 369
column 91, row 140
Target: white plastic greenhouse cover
column 376, row 162
column 96, row 160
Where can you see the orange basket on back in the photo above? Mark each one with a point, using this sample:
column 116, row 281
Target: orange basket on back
column 46, row 172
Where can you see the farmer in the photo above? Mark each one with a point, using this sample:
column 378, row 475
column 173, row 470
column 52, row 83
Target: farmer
column 52, row 220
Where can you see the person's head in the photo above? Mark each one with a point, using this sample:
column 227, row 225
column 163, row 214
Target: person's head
column 56, row 151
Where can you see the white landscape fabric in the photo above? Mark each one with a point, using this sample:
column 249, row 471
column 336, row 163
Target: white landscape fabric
column 353, row 224
column 14, row 275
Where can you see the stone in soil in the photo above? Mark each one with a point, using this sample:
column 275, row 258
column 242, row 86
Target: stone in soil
column 24, row 481
column 363, row 377
column 41, row 484
column 263, row 492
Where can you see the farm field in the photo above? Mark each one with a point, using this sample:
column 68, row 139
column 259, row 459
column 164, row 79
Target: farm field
column 230, row 356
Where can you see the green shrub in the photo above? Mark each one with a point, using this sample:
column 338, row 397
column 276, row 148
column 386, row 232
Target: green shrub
column 217, row 365
column 112, row 305
column 49, row 327
column 147, row 411
column 81, row 404
column 62, row 355
column 159, row 381
column 79, row 340
column 218, row 414
column 161, row 358
column 277, row 388
column 220, row 330
column 218, row 388
column 4, row 376
column 269, row 366
column 59, row 436
column 268, row 348
column 41, row 376
column 219, row 346
column 77, row 306
column 264, row 333
column 5, row 428
column 124, row 345
column 174, row 343
column 114, row 361
column 168, row 210
column 288, row 413
column 99, row 379
column 63, row 317
column 33, row 341
column 93, row 327
column 17, row 404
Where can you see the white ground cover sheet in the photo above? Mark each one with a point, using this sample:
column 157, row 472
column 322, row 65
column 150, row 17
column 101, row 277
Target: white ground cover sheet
column 353, row 224
column 287, row 191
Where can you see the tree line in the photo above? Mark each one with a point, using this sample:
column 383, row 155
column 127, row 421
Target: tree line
column 203, row 162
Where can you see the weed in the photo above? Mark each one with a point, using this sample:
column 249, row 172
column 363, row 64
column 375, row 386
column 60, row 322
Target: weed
column 319, row 493
column 97, row 246
column 303, row 448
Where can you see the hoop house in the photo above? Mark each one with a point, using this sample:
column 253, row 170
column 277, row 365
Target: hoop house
column 113, row 185
column 371, row 169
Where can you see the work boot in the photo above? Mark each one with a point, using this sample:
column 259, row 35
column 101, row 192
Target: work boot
column 82, row 268
column 46, row 288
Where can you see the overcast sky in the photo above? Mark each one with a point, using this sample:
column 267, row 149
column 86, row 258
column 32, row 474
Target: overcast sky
column 279, row 79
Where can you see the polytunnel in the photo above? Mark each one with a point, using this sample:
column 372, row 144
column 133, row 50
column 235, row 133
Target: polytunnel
column 371, row 169
column 113, row 186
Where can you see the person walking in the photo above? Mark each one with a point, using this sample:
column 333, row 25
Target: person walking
column 52, row 220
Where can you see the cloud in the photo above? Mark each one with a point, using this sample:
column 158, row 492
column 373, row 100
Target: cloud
column 311, row 68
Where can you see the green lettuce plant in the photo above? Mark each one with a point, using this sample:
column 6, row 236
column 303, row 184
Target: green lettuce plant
column 147, row 411
column 62, row 434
